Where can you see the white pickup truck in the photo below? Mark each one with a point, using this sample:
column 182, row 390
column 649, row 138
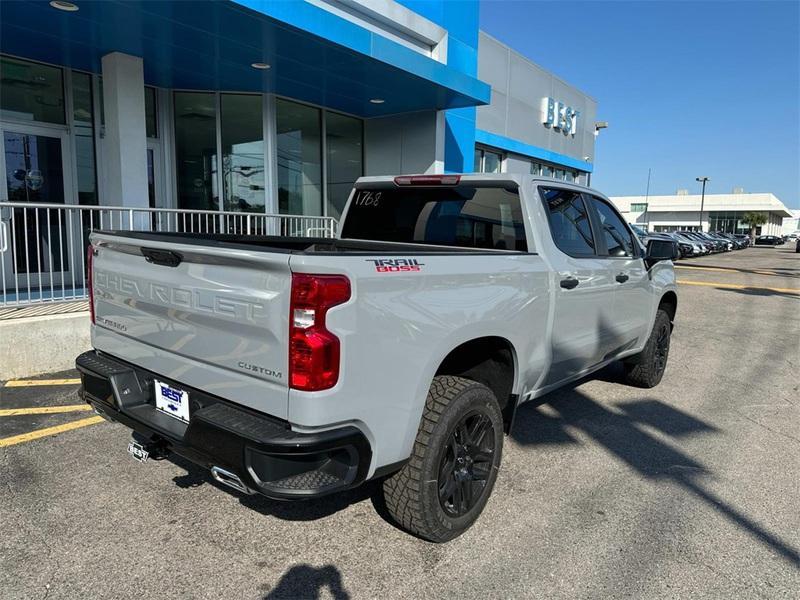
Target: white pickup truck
column 296, row 367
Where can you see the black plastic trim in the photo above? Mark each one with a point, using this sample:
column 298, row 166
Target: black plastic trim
column 220, row 433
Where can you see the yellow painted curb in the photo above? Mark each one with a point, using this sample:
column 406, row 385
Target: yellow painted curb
column 736, row 286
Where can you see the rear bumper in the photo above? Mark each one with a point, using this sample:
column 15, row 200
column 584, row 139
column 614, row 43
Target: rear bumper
column 263, row 452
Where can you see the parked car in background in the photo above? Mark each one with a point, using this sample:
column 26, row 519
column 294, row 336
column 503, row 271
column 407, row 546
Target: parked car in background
column 720, row 245
column 769, row 240
column 687, row 249
column 645, row 237
column 738, row 243
column 710, row 245
column 744, row 238
column 699, row 247
column 728, row 245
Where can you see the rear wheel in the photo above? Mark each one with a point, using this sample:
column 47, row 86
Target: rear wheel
column 647, row 368
column 443, row 488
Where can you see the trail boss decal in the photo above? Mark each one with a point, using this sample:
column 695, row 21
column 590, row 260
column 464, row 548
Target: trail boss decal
column 396, row 265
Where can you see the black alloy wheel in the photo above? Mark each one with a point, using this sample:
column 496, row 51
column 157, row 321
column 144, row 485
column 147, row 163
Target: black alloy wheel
column 661, row 349
column 466, row 464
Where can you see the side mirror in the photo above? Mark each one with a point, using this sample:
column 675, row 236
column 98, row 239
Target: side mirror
column 658, row 250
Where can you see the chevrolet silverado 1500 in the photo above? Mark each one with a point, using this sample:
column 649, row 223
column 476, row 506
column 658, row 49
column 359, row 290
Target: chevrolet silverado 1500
column 297, row 367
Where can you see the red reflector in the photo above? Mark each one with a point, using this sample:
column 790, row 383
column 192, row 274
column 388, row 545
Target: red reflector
column 313, row 350
column 89, row 278
column 427, row 180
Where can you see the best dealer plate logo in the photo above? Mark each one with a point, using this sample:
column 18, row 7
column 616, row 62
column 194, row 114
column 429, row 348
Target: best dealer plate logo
column 396, row 265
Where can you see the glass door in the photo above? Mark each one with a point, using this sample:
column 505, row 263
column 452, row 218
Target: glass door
column 40, row 246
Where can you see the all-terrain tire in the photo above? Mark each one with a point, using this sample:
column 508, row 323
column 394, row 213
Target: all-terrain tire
column 647, row 368
column 454, row 406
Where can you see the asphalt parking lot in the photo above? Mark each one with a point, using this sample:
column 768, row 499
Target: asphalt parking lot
column 686, row 490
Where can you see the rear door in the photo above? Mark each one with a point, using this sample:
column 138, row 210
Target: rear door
column 583, row 330
column 210, row 316
column 623, row 257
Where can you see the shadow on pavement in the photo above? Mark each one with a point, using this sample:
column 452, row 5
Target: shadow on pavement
column 299, row 510
column 623, row 432
column 305, row 581
column 754, row 291
column 767, row 271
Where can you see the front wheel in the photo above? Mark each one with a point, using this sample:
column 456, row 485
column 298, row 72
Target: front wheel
column 442, row 489
column 647, row 368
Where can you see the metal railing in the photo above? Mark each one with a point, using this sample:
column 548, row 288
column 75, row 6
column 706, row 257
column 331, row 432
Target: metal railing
column 43, row 246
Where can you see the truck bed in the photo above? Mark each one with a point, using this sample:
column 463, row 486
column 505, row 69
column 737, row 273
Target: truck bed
column 300, row 245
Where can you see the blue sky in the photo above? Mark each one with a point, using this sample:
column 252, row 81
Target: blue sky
column 688, row 88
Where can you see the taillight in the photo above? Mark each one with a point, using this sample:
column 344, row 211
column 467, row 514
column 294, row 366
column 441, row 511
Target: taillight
column 89, row 278
column 313, row 350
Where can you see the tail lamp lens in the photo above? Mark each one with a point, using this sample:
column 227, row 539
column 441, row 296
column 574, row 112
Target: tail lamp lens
column 89, row 279
column 313, row 350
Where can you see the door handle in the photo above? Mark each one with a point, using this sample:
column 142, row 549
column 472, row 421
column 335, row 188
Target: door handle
column 622, row 278
column 569, row 283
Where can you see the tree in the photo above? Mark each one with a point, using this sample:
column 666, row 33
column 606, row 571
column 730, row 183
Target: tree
column 754, row 219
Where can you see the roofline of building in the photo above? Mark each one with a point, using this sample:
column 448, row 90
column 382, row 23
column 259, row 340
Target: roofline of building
column 537, row 65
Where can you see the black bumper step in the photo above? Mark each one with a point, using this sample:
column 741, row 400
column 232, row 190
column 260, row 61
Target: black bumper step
column 266, row 455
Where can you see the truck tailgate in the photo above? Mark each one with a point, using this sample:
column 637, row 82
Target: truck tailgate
column 216, row 320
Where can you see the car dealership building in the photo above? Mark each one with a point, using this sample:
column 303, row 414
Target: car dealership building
column 720, row 212
column 268, row 106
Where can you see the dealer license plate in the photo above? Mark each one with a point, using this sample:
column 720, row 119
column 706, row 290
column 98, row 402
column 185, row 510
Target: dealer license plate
column 172, row 401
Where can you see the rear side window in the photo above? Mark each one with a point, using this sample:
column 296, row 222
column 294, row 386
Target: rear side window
column 618, row 239
column 569, row 222
column 466, row 216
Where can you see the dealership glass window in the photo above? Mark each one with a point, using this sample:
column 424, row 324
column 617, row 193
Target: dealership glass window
column 299, row 147
column 242, row 125
column 150, row 112
column 487, row 161
column 638, row 206
column 343, row 144
column 150, row 109
column 196, row 150
column 492, row 162
column 83, row 130
column 31, row 91
column 569, row 176
column 547, row 171
column 536, row 168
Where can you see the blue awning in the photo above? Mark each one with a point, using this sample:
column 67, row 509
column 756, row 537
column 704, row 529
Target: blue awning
column 314, row 55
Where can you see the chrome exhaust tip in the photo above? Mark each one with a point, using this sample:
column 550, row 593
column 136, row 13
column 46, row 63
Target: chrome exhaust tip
column 230, row 479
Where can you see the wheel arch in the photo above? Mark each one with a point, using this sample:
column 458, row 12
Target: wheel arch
column 669, row 303
column 490, row 360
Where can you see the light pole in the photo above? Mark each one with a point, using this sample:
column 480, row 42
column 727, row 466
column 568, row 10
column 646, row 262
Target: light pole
column 702, row 198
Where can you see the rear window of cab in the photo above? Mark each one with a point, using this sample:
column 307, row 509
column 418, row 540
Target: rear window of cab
column 463, row 216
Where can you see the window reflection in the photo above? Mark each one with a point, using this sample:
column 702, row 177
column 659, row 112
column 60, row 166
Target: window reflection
column 196, row 150
column 242, row 152
column 491, row 162
column 82, row 111
column 343, row 137
column 299, row 158
column 30, row 91
column 150, row 112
